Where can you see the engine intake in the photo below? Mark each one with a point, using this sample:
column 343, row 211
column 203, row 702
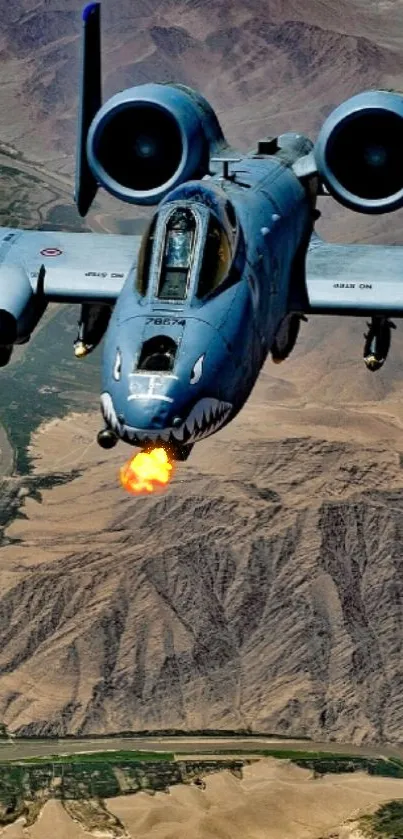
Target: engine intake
column 149, row 139
column 359, row 152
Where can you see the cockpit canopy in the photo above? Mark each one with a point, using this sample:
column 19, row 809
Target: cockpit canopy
column 217, row 258
column 189, row 246
column 177, row 257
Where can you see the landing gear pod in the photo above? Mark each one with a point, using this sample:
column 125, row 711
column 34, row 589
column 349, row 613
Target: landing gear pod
column 93, row 323
column 359, row 152
column 286, row 337
column 149, row 139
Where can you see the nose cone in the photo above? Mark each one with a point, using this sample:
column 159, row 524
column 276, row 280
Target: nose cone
column 150, row 401
column 181, row 404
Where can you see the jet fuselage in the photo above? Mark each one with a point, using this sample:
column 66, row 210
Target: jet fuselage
column 192, row 328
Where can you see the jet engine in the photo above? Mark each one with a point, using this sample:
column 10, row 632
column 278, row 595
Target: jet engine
column 359, row 154
column 148, row 139
column 20, row 308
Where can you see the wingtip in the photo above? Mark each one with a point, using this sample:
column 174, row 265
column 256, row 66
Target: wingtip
column 89, row 10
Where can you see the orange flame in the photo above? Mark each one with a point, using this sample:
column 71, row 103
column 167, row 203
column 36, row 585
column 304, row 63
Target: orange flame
column 146, row 472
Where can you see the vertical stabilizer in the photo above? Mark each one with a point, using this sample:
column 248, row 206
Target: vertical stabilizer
column 88, row 105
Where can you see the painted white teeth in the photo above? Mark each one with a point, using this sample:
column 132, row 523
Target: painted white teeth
column 180, row 433
column 205, row 417
column 108, row 410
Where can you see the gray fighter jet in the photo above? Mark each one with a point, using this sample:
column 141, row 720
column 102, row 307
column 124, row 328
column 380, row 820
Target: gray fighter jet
column 230, row 263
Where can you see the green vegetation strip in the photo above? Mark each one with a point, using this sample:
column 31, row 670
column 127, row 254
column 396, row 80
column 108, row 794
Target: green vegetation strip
column 287, row 754
column 323, row 762
column 22, row 785
column 97, row 757
column 107, row 774
column 387, row 821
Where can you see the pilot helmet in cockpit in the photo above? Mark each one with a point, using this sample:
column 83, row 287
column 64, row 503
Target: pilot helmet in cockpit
column 177, row 255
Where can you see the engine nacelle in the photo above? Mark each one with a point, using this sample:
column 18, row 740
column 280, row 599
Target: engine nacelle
column 20, row 308
column 149, row 139
column 359, row 152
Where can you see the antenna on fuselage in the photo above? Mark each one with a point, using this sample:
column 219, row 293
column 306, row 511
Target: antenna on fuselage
column 225, row 162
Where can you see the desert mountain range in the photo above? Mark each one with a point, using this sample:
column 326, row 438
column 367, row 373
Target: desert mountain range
column 264, row 588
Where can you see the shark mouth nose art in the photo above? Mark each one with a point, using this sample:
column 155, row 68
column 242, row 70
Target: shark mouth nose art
column 207, row 416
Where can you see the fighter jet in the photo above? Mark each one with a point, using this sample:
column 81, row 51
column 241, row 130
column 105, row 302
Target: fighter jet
column 230, row 263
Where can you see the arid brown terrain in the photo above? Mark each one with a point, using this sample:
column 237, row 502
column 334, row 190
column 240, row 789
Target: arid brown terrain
column 264, row 588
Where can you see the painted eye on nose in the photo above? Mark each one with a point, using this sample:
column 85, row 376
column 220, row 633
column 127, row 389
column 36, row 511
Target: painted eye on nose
column 196, row 373
column 117, row 366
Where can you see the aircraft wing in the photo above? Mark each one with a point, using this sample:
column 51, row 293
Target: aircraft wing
column 78, row 267
column 353, row 279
